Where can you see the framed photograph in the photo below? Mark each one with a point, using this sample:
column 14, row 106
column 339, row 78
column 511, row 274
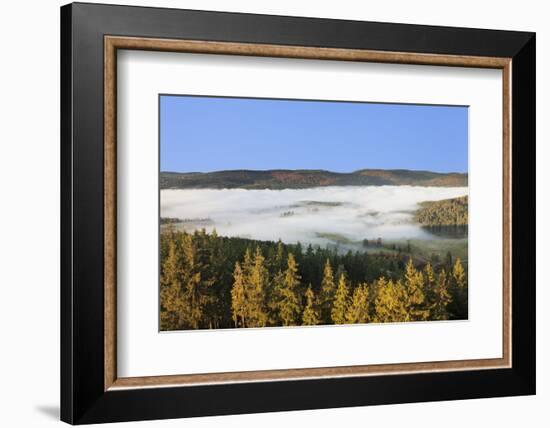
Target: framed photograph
column 265, row 213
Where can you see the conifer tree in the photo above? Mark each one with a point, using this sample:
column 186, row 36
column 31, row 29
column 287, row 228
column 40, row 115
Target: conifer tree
column 326, row 296
column 248, row 262
column 340, row 270
column 298, row 250
column 414, row 288
column 192, row 290
column 429, row 277
column 459, row 292
column 210, row 281
column 308, row 266
column 256, row 285
column 279, row 256
column 213, row 264
column 441, row 298
column 238, row 300
column 459, row 275
column 273, row 298
column 429, row 287
column 170, row 291
column 341, row 302
column 391, row 302
column 288, row 301
column 358, row 310
column 310, row 315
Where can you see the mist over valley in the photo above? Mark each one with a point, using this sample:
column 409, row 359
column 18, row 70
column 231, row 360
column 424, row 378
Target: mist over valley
column 342, row 216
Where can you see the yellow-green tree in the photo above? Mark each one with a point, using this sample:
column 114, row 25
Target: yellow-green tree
column 441, row 299
column 414, row 290
column 238, row 298
column 194, row 289
column 211, row 281
column 429, row 278
column 288, row 301
column 248, row 263
column 256, row 284
column 326, row 295
column 341, row 302
column 358, row 310
column 459, row 275
column 170, row 291
column 310, row 315
column 391, row 302
column 459, row 291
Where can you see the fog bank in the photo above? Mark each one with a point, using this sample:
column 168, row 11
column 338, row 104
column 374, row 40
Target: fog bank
column 321, row 215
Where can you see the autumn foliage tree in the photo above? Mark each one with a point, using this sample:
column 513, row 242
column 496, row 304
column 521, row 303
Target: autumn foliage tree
column 286, row 294
column 209, row 281
column 358, row 309
column 440, row 298
column 328, row 289
column 238, row 298
column 310, row 315
column 255, row 286
column 341, row 302
column 391, row 302
column 459, row 291
column 415, row 296
column 171, row 297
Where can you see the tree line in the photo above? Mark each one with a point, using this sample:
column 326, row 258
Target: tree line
column 209, row 281
column 448, row 212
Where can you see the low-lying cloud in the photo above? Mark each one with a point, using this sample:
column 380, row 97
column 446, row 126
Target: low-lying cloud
column 319, row 215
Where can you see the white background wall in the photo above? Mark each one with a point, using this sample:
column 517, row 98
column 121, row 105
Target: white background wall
column 29, row 216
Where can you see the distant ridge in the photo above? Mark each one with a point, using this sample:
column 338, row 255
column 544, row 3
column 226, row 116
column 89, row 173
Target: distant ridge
column 305, row 178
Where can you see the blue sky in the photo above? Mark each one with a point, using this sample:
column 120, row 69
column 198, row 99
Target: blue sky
column 205, row 134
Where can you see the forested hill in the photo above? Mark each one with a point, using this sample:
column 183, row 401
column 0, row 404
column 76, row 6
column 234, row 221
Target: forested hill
column 448, row 212
column 300, row 179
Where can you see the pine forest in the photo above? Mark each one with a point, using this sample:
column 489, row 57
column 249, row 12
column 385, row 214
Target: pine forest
column 209, row 281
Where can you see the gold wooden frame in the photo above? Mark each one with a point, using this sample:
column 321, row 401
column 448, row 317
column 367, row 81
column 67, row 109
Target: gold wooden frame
column 113, row 43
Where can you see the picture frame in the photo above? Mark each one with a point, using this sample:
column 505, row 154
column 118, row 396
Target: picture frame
column 91, row 36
